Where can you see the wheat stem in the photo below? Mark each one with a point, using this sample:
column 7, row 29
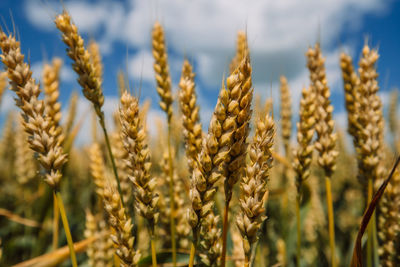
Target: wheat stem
column 330, row 220
column 66, row 228
column 114, row 167
column 153, row 251
column 56, row 222
column 192, row 254
column 172, row 199
column 225, row 233
column 298, row 226
column 370, row 227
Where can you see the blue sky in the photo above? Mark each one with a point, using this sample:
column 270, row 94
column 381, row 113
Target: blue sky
column 279, row 33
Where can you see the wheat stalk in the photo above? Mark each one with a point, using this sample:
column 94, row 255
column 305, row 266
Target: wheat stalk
column 326, row 139
column 370, row 133
column 163, row 81
column 303, row 154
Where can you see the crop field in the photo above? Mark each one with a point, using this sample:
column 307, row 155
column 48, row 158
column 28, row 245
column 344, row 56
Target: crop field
column 254, row 187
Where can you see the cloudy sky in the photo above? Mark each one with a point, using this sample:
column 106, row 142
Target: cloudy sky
column 279, row 33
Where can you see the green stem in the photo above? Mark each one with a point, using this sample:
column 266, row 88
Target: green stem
column 103, row 126
column 66, row 228
column 331, row 223
column 224, row 234
column 172, row 198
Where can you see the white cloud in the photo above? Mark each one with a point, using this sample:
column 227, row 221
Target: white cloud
column 140, row 66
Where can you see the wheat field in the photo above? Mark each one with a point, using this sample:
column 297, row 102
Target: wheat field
column 251, row 188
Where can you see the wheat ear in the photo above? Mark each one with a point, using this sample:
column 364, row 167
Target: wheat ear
column 237, row 104
column 254, row 185
column 134, row 140
column 370, row 134
column 163, row 81
column 351, row 83
column 190, row 114
column 43, row 136
column 303, row 154
column 95, row 59
column 326, row 139
column 3, row 83
column 51, row 83
column 88, row 75
column 392, row 115
column 122, row 237
column 242, row 50
column 161, row 69
column 286, row 114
